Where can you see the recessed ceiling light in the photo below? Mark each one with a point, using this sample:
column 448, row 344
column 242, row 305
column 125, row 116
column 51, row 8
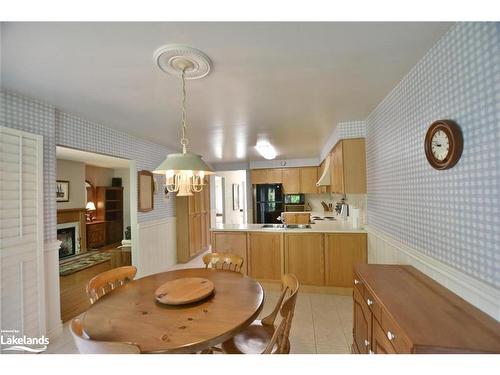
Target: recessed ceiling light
column 266, row 150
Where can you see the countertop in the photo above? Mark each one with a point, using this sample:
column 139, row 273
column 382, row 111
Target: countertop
column 317, row 227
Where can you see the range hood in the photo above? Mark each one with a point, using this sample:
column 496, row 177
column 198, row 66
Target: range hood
column 324, row 180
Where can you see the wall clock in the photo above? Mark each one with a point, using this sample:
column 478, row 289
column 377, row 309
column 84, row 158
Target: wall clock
column 443, row 144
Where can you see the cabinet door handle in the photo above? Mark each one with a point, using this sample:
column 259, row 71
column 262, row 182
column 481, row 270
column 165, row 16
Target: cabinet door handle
column 390, row 335
column 369, row 302
column 367, row 343
column 356, row 282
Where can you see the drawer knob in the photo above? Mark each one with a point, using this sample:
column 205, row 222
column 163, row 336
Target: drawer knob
column 356, row 282
column 370, row 352
column 369, row 302
column 367, row 343
column 390, row 335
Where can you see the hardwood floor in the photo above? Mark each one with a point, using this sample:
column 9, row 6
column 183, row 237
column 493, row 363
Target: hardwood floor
column 74, row 298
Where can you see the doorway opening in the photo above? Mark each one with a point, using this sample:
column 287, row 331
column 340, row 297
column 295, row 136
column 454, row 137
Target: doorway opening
column 94, row 221
column 230, row 203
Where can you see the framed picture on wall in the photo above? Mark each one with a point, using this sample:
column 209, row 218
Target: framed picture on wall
column 62, row 191
column 236, row 197
column 145, row 183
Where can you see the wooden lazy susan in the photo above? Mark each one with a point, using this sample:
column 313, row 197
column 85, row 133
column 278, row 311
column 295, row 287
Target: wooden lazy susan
column 183, row 291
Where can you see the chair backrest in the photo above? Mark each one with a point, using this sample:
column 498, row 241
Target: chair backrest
column 101, row 284
column 279, row 343
column 224, row 261
column 87, row 346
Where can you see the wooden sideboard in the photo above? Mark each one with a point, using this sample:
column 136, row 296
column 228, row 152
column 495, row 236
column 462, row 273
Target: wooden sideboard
column 398, row 309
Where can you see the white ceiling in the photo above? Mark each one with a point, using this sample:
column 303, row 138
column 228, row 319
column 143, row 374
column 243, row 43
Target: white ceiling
column 287, row 82
column 90, row 158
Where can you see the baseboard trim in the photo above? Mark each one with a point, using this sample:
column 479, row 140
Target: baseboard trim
column 382, row 248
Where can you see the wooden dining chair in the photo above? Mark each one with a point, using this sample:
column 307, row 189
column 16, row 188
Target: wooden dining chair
column 262, row 336
column 224, row 261
column 103, row 283
column 87, row 346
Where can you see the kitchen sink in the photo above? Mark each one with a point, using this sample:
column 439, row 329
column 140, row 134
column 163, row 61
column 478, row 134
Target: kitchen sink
column 274, row 226
column 286, row 226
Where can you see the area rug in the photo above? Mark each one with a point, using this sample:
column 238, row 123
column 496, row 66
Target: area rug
column 80, row 262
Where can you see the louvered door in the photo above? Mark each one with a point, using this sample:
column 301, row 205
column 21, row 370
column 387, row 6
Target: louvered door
column 21, row 233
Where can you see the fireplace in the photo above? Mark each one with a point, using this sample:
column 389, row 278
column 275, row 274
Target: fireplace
column 69, row 235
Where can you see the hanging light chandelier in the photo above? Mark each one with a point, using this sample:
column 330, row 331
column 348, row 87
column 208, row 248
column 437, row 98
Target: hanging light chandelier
column 184, row 172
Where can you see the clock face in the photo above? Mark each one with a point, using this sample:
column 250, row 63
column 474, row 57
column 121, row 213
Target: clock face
column 443, row 144
column 440, row 145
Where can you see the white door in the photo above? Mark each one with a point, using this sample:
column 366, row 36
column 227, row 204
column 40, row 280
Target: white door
column 22, row 300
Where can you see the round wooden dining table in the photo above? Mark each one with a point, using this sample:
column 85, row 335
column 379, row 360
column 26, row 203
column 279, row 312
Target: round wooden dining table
column 131, row 313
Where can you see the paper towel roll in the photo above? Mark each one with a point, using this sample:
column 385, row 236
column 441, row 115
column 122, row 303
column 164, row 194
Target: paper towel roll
column 355, row 218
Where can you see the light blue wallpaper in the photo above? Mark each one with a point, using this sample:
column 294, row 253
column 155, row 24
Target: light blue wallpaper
column 451, row 215
column 343, row 130
column 59, row 128
column 75, row 132
column 38, row 118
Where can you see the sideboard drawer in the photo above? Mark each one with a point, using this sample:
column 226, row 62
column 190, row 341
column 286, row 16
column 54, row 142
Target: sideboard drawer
column 373, row 304
column 395, row 334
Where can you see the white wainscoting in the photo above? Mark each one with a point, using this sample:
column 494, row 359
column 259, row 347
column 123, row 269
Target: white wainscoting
column 156, row 250
column 384, row 249
column 52, row 292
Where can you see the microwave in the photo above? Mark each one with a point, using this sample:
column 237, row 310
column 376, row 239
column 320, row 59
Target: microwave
column 294, row 199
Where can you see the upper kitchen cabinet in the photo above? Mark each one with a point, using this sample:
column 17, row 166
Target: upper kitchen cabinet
column 266, row 176
column 308, row 179
column 348, row 167
column 291, row 180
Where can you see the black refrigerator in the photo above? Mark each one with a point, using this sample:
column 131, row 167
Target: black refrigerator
column 268, row 203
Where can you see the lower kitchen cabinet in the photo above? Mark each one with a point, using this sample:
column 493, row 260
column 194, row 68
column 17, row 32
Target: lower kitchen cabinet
column 231, row 242
column 304, row 257
column 342, row 251
column 265, row 255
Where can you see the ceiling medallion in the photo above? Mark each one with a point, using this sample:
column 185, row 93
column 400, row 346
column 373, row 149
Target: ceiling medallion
column 185, row 172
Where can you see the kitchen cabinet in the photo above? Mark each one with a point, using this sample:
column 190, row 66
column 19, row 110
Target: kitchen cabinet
column 231, row 242
column 304, row 257
column 308, row 179
column 297, row 217
column 265, row 255
column 291, row 180
column 342, row 251
column 398, row 309
column 193, row 224
column 266, row 176
column 348, row 167
column 275, row 176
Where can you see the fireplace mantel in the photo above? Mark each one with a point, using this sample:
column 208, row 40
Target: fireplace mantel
column 69, row 215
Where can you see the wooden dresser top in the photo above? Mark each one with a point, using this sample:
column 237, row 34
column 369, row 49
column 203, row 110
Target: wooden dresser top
column 428, row 313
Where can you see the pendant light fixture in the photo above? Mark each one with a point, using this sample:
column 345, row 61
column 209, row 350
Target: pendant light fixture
column 185, row 172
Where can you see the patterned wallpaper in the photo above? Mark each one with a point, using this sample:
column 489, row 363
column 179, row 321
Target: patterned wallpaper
column 35, row 117
column 451, row 215
column 59, row 128
column 343, row 130
column 75, row 132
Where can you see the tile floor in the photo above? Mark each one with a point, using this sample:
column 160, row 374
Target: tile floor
column 322, row 323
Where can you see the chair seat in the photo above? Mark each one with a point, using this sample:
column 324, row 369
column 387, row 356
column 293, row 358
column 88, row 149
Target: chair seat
column 253, row 340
